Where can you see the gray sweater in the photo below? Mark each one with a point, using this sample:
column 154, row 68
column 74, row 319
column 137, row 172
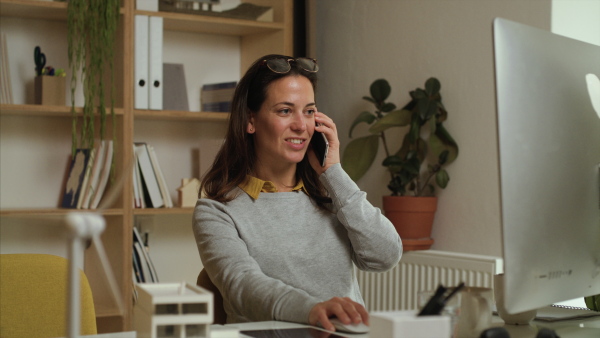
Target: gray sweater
column 276, row 257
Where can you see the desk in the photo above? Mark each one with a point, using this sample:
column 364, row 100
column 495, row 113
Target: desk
column 581, row 328
column 577, row 328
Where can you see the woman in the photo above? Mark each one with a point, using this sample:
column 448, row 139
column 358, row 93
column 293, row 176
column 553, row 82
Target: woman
column 277, row 232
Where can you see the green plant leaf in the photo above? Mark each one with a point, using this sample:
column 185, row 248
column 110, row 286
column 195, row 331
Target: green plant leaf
column 418, row 94
column 359, row 155
column 593, row 302
column 441, row 141
column 365, row 116
column 380, row 90
column 368, row 98
column 397, row 118
column 392, row 161
column 426, row 107
column 442, row 178
column 432, row 86
column 388, row 107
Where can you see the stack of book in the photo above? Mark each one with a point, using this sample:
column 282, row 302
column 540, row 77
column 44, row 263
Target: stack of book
column 143, row 268
column 88, row 176
column 149, row 185
column 216, row 97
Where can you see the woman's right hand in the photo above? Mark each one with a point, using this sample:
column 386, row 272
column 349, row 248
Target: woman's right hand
column 345, row 309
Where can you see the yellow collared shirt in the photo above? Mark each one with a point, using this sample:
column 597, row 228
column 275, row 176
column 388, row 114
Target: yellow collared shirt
column 254, row 186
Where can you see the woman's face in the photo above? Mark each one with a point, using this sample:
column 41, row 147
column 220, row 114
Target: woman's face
column 285, row 123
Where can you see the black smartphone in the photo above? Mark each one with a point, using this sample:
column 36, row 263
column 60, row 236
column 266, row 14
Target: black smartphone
column 321, row 146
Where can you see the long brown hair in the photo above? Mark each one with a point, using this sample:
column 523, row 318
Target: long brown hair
column 237, row 155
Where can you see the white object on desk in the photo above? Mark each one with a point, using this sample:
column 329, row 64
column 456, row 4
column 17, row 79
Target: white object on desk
column 173, row 310
column 220, row 331
column 349, row 328
column 399, row 323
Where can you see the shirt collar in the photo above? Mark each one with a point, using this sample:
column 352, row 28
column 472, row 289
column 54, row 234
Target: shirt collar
column 254, row 186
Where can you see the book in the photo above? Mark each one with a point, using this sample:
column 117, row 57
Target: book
column 74, row 182
column 149, row 272
column 137, row 183
column 162, row 183
column 217, row 107
column 90, row 188
column 150, row 186
column 6, row 96
column 137, row 268
column 104, row 175
column 217, row 97
column 86, row 177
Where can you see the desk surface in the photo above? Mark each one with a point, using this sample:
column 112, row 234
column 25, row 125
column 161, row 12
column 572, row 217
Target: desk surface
column 579, row 328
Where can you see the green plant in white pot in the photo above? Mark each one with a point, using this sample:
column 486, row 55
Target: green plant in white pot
column 417, row 164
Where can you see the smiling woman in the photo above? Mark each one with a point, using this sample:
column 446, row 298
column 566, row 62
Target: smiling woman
column 279, row 232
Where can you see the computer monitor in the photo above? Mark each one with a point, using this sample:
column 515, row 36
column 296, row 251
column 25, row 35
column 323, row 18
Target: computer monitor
column 549, row 162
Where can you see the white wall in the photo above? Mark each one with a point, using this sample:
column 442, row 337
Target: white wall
column 577, row 19
column 406, row 42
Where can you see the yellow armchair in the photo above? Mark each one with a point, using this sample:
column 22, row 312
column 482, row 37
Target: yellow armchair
column 33, row 297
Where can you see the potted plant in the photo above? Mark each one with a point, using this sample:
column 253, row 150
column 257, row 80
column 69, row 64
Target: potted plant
column 593, row 302
column 92, row 26
column 416, row 166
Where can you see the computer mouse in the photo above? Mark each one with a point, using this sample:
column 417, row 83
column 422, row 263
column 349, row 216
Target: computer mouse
column 495, row 332
column 349, row 328
column 546, row 333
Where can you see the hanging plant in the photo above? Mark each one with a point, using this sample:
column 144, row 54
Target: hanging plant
column 92, row 26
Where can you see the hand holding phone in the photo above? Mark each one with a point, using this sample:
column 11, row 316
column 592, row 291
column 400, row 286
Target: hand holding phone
column 320, row 146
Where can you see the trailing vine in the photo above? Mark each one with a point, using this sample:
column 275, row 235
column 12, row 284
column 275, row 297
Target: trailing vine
column 92, row 26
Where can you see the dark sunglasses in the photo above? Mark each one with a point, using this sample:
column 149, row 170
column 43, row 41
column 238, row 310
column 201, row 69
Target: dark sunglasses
column 282, row 65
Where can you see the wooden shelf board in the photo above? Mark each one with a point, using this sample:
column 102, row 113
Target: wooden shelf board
column 40, row 110
column 30, row 9
column 180, row 115
column 213, row 25
column 35, row 9
column 163, row 211
column 44, row 212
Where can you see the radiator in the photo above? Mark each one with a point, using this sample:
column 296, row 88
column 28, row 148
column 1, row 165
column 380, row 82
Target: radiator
column 397, row 289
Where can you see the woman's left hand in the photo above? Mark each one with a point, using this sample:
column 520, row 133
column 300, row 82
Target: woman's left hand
column 329, row 129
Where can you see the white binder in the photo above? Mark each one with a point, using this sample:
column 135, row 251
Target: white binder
column 155, row 73
column 146, row 5
column 141, row 62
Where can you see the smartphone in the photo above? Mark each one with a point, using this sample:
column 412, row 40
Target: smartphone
column 321, row 146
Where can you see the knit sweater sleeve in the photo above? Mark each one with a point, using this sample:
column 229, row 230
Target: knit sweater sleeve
column 250, row 295
column 375, row 242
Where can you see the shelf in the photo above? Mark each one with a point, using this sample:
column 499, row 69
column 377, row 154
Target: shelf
column 35, row 9
column 180, row 115
column 163, row 211
column 54, row 212
column 213, row 25
column 40, row 110
column 28, row 9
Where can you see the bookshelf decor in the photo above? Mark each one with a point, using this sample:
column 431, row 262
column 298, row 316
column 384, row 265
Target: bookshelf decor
column 50, row 90
column 175, row 132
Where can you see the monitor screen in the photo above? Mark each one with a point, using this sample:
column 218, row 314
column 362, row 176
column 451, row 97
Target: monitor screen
column 549, row 162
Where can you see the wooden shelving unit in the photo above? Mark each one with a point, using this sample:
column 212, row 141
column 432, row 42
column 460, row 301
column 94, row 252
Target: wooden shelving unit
column 256, row 39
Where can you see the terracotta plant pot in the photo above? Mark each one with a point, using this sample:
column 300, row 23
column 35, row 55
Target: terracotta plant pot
column 413, row 219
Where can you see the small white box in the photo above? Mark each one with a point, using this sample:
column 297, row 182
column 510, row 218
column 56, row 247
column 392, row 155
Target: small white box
column 394, row 324
column 173, row 310
column 147, row 5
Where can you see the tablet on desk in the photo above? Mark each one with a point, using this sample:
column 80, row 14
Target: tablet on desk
column 303, row 332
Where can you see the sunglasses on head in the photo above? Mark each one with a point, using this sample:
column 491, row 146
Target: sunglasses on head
column 282, row 65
